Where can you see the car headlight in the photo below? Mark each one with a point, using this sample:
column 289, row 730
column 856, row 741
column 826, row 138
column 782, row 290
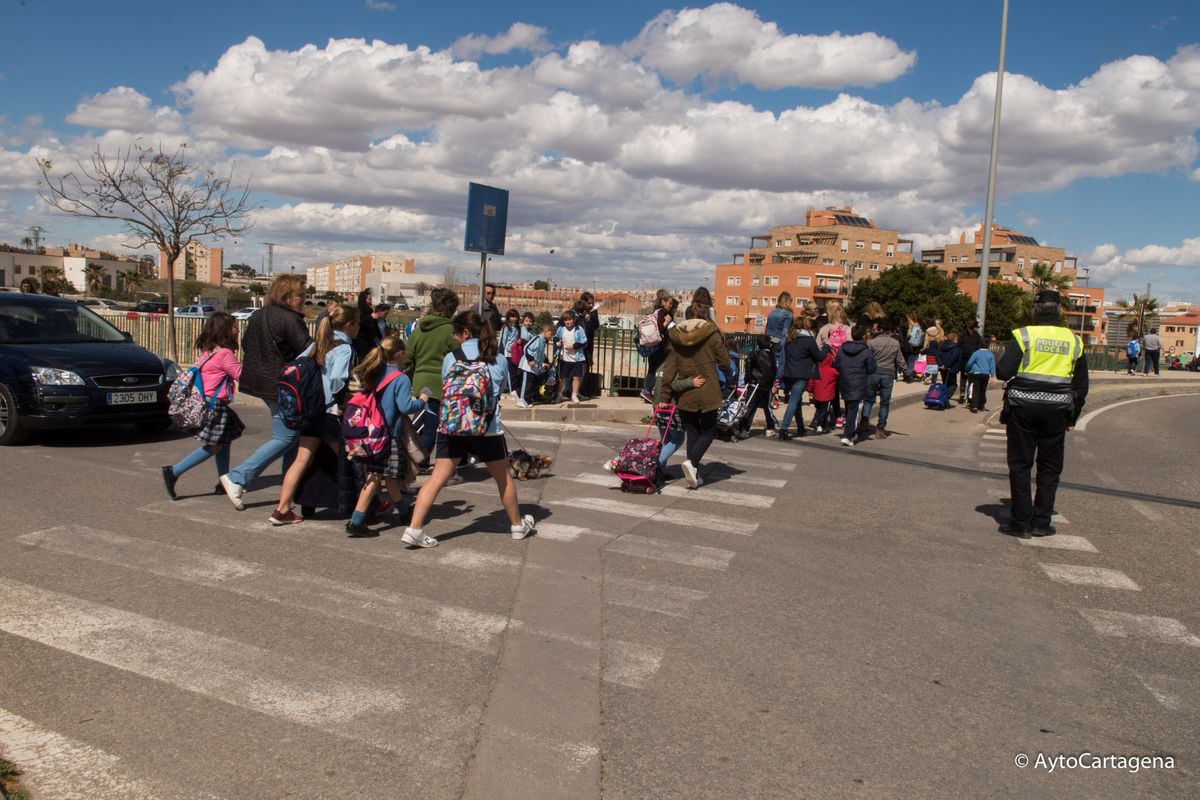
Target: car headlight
column 170, row 369
column 49, row 376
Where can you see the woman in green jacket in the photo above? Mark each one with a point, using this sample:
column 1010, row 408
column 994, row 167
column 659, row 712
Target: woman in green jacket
column 429, row 343
column 697, row 350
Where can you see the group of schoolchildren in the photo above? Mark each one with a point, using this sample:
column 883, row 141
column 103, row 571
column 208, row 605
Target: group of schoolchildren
column 539, row 363
column 365, row 415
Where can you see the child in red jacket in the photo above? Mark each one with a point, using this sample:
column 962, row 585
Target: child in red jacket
column 824, row 389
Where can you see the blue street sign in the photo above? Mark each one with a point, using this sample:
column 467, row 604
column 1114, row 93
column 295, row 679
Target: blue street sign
column 487, row 219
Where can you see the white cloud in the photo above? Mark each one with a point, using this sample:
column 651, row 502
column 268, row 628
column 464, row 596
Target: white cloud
column 380, row 5
column 1105, row 264
column 725, row 42
column 125, row 109
column 345, row 223
column 520, row 36
column 1186, row 255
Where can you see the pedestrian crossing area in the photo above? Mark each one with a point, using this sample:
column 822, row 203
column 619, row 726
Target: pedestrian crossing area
column 660, row 555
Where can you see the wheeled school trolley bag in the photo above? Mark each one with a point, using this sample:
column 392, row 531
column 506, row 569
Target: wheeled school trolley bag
column 938, row 396
column 637, row 463
column 735, row 408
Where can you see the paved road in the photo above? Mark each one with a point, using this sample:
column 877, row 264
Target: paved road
column 814, row 622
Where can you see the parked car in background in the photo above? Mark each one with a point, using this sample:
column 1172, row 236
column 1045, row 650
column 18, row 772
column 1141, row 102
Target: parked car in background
column 195, row 311
column 64, row 366
column 244, row 313
column 99, row 304
column 151, row 307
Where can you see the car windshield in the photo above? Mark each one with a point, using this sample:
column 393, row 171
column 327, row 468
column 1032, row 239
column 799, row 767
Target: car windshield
column 53, row 323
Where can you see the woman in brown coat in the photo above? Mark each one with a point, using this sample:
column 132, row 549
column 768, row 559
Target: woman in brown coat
column 697, row 350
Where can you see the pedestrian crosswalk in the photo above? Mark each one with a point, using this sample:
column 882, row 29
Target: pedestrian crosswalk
column 660, row 556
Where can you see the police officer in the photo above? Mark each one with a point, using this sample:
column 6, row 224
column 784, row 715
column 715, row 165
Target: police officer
column 1047, row 385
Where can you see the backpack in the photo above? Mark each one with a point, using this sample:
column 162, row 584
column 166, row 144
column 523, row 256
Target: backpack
column 364, row 426
column 187, row 405
column 649, row 334
column 468, row 404
column 300, row 393
column 1131, row 349
column 837, row 338
column 517, row 352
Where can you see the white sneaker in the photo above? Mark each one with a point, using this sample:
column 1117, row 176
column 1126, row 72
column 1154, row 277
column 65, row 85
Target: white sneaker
column 522, row 404
column 847, row 442
column 771, row 433
column 455, row 480
column 417, row 538
column 524, row 529
column 575, row 399
column 234, row 491
column 690, row 474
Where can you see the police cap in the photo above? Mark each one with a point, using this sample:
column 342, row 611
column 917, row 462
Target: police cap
column 1048, row 296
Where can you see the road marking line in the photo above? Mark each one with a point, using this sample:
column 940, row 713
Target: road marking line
column 993, row 445
column 1105, row 476
column 674, row 601
column 1146, row 511
column 763, row 463
column 688, row 555
column 629, row 664
column 317, row 533
column 300, row 691
column 1061, row 541
column 566, row 533
column 1082, row 424
column 1090, row 576
column 1121, row 625
column 679, row 490
column 1168, row 691
column 56, row 766
column 690, row 519
column 413, row 616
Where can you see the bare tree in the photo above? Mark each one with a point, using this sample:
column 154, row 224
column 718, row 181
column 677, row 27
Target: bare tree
column 163, row 199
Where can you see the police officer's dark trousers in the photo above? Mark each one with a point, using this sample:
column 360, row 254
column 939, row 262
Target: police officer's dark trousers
column 1035, row 435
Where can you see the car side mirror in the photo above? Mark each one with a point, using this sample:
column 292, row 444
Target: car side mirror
column 128, row 336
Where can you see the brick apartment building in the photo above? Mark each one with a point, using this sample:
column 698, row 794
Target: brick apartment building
column 1012, row 258
column 196, row 263
column 816, row 262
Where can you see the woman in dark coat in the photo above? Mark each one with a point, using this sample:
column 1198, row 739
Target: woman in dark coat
column 801, row 363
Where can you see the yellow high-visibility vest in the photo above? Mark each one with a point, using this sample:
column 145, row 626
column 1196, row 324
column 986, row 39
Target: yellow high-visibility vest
column 1048, row 353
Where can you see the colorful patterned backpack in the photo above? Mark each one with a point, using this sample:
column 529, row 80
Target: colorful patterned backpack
column 364, row 426
column 187, row 405
column 468, row 404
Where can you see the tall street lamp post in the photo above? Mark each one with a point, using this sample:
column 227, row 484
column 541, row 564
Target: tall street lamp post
column 986, row 256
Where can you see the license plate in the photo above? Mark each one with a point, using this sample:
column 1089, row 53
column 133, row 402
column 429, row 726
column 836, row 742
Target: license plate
column 131, row 398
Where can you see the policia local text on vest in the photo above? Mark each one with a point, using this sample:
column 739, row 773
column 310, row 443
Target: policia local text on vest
column 1047, row 385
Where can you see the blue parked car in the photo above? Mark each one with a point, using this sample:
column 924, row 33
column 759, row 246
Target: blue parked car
column 63, row 366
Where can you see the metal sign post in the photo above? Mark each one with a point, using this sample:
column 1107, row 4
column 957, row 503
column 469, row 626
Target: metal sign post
column 487, row 223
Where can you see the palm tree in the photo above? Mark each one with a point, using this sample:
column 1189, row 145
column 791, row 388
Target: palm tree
column 93, row 278
column 27, row 243
column 1042, row 277
column 131, row 279
column 1136, row 311
column 53, row 280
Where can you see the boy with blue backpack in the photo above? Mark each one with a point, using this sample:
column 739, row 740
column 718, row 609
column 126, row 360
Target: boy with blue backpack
column 1133, row 351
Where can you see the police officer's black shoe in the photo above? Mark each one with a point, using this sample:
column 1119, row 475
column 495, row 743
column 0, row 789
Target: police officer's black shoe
column 1022, row 531
column 1044, row 530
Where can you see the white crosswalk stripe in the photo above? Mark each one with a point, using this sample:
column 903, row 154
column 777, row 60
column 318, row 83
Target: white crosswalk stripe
column 1169, row 691
column 689, row 555
column 55, row 766
column 1061, row 541
column 1121, row 624
column 707, row 492
column 414, row 616
column 1090, row 576
column 300, row 691
column 317, row 533
column 674, row 601
column 762, row 462
column 689, row 519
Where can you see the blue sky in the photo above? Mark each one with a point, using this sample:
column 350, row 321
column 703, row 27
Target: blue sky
column 635, row 138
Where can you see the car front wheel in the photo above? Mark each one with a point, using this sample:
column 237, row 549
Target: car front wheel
column 11, row 429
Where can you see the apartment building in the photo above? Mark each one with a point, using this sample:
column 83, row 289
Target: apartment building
column 196, row 263
column 816, row 262
column 17, row 264
column 1179, row 333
